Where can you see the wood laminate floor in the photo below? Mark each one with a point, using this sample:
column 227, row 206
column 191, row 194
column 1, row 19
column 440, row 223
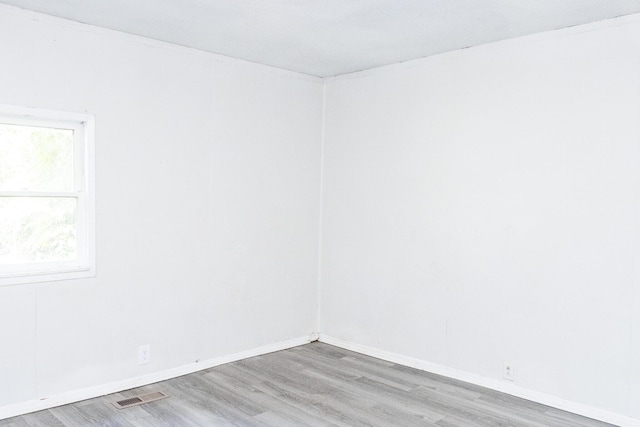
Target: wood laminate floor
column 311, row 385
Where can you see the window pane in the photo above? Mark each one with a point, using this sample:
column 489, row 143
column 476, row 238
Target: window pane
column 37, row 229
column 35, row 158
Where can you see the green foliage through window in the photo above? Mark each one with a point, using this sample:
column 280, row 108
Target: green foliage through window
column 39, row 227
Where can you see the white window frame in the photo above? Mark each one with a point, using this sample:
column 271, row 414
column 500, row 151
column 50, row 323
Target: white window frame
column 84, row 266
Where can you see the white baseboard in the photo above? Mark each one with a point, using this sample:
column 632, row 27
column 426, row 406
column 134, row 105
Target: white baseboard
column 117, row 386
column 508, row 388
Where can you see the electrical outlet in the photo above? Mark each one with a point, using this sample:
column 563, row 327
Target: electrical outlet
column 144, row 354
column 508, row 372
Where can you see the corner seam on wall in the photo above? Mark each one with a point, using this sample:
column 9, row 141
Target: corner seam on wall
column 320, row 206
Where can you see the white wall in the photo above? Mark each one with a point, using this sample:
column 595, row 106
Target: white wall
column 482, row 206
column 479, row 207
column 207, row 175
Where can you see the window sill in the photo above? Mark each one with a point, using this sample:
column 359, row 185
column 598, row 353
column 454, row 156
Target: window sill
column 21, row 278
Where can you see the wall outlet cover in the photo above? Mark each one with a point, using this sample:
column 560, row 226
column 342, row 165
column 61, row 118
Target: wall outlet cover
column 144, row 354
column 508, row 372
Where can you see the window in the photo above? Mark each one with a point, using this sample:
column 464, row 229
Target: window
column 46, row 196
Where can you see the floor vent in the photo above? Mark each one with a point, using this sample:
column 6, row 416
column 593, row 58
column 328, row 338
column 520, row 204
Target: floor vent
column 139, row 400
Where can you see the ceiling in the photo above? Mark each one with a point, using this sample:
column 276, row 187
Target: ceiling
column 330, row 37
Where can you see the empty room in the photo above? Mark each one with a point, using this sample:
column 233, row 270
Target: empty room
column 320, row 213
